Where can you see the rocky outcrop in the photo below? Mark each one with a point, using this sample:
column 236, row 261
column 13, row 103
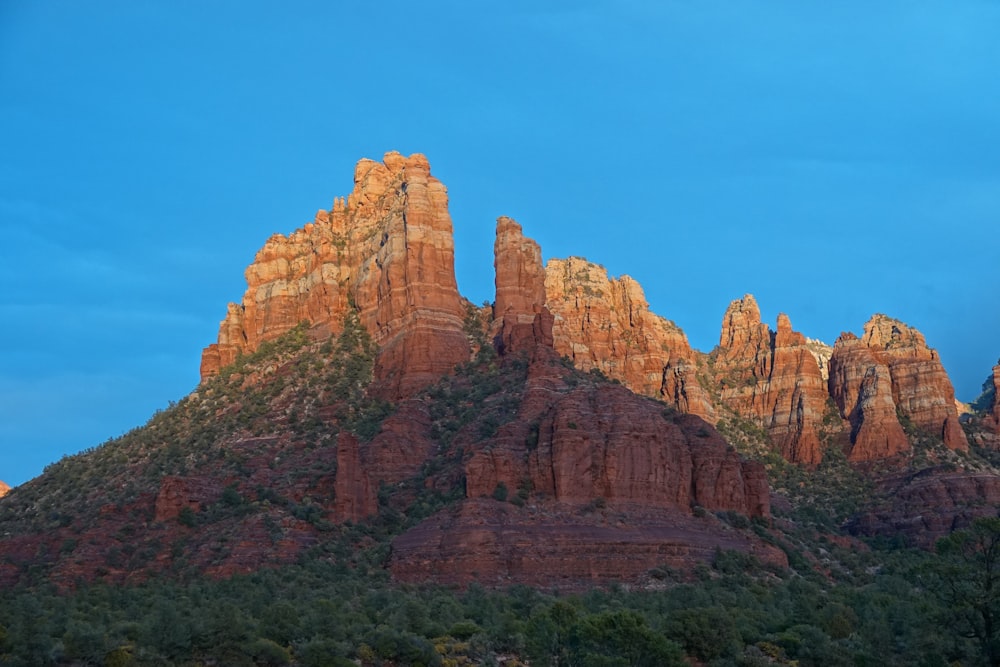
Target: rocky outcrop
column 520, row 319
column 887, row 375
column 861, row 387
column 606, row 324
column 4, row 489
column 179, row 493
column 605, row 442
column 772, row 379
column 386, row 250
column 920, row 386
column 355, row 494
column 925, row 506
column 497, row 544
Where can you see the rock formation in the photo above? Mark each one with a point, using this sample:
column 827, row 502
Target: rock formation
column 861, row 387
column 606, row 325
column 773, row 379
column 887, row 375
column 607, row 443
column 355, row 494
column 520, row 291
column 387, row 250
column 606, row 482
column 927, row 505
column 992, row 420
column 180, row 493
column 4, row 489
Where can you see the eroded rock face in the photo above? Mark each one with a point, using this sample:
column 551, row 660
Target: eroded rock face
column 607, row 485
column 861, row 386
column 927, row 505
column 606, row 324
column 521, row 320
column 886, row 374
column 355, row 494
column 496, row 544
column 605, row 442
column 387, row 250
column 773, row 379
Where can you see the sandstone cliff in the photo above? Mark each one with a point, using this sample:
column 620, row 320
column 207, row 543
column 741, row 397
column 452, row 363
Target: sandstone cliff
column 773, row 379
column 606, row 324
column 605, row 482
column 387, row 250
column 521, row 320
column 889, row 375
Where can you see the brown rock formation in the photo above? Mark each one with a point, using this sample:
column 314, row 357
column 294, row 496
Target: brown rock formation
column 388, row 250
column 496, row 544
column 605, row 442
column 772, row 379
column 520, row 318
column 4, row 489
column 890, row 372
column 607, row 325
column 178, row 493
column 927, row 505
column 861, row 386
column 606, row 483
column 355, row 494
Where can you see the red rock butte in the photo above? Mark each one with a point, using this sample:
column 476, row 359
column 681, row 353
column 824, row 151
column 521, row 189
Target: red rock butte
column 388, row 250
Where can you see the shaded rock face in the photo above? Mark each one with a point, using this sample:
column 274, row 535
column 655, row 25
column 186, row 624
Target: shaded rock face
column 495, row 544
column 992, row 420
column 387, row 250
column 355, row 496
column 610, row 483
column 772, row 378
column 608, row 443
column 887, row 374
column 606, row 324
column 925, row 506
column 607, row 482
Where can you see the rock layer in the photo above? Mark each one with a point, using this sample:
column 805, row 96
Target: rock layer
column 927, row 505
column 606, row 324
column 386, row 250
column 497, row 544
column 520, row 318
column 887, row 375
column 773, row 379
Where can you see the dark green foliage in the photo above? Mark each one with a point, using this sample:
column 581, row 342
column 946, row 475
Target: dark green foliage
column 985, row 400
column 966, row 580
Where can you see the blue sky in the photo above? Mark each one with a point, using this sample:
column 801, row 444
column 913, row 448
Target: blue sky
column 833, row 159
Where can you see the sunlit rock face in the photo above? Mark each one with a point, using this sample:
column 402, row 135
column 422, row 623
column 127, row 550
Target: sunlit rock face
column 386, row 250
column 605, row 324
column 772, row 379
column 888, row 374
